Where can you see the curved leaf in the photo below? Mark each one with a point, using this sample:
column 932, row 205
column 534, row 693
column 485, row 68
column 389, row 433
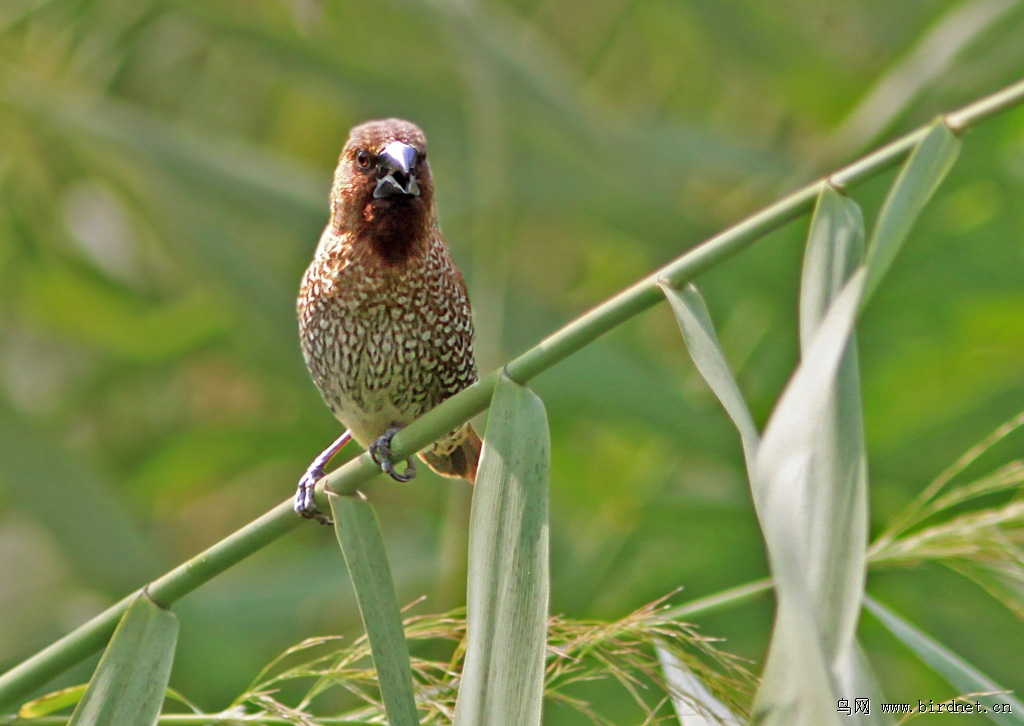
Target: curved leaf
column 128, row 686
column 359, row 535
column 960, row 674
column 921, row 175
column 702, row 342
column 507, row 598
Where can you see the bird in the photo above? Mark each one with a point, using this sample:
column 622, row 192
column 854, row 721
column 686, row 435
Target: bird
column 385, row 322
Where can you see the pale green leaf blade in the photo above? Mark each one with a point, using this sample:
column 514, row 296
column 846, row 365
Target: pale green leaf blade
column 53, row 702
column 810, row 479
column 694, row 704
column 358, row 530
column 128, row 686
column 835, row 248
column 702, row 342
column 857, row 681
column 507, row 598
column 921, row 175
column 837, row 507
column 789, row 441
column 796, row 688
column 958, row 672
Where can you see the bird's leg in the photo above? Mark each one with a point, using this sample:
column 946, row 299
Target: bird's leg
column 305, row 505
column 380, row 450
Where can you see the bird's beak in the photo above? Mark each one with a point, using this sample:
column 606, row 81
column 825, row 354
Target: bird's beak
column 396, row 171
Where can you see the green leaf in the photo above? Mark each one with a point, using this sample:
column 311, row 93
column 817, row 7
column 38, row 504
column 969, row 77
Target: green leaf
column 837, row 498
column 358, row 530
column 927, row 166
column 702, row 342
column 810, row 478
column 835, row 248
column 694, row 704
column 810, row 487
column 795, row 687
column 507, row 599
column 128, row 686
column 859, row 682
column 52, row 702
column 959, row 673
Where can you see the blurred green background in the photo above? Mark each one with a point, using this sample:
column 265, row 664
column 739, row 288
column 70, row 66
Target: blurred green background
column 164, row 170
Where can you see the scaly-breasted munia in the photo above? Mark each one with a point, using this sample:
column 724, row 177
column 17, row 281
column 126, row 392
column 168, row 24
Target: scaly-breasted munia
column 384, row 318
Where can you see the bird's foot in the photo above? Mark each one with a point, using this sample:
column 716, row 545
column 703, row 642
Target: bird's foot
column 305, row 503
column 380, row 451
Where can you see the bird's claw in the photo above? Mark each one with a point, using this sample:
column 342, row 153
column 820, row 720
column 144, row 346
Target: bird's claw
column 380, row 452
column 305, row 504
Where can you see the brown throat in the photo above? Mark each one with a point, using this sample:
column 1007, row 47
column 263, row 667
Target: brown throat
column 397, row 233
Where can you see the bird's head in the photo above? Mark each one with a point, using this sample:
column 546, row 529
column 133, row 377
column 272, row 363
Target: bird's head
column 383, row 194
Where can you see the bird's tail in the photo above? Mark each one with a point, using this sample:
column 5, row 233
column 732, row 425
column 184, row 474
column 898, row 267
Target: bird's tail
column 456, row 455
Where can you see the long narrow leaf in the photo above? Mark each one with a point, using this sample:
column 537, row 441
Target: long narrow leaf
column 359, row 536
column 128, row 686
column 835, row 248
column 857, row 682
column 960, row 674
column 810, row 481
column 837, row 514
column 507, row 599
column 52, row 702
column 702, row 343
column 694, row 704
column 796, row 688
column 927, row 166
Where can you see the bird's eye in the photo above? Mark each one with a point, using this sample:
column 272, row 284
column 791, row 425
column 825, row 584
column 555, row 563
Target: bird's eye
column 363, row 159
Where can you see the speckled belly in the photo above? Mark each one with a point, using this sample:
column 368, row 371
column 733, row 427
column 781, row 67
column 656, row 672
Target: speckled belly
column 375, row 368
column 384, row 349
